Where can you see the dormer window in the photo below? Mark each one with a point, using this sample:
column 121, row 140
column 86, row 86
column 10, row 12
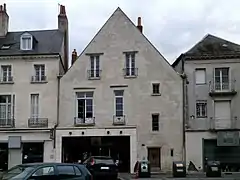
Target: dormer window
column 26, row 41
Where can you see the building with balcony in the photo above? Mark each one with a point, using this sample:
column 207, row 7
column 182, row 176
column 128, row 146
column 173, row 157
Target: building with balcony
column 30, row 65
column 121, row 98
column 211, row 73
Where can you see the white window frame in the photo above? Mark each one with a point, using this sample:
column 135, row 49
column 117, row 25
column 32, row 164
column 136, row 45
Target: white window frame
column 221, row 79
column 196, row 74
column 96, row 71
column 131, row 57
column 9, row 73
column 40, row 76
column 85, row 104
column 201, row 108
column 34, row 111
column 29, row 45
column 115, row 104
column 12, row 108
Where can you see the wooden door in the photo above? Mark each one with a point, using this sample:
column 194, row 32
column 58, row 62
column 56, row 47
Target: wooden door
column 154, row 156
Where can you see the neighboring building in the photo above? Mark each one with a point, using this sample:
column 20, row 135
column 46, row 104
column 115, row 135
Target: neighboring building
column 121, row 98
column 30, row 65
column 212, row 72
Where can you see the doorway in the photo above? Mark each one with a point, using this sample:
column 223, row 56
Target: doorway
column 154, row 157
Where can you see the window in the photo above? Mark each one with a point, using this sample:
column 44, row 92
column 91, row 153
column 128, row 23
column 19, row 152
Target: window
column 84, row 105
column 201, row 108
column 66, row 170
column 130, row 69
column 6, row 73
column 34, row 106
column 5, row 109
column 200, row 75
column 44, row 171
column 119, row 103
column 221, row 79
column 94, row 66
column 26, row 42
column 155, row 122
column 39, row 73
column 156, row 88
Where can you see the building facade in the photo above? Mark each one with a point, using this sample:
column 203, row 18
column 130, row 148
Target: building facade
column 30, row 65
column 211, row 82
column 121, row 98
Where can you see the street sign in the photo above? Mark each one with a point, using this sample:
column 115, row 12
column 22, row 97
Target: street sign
column 228, row 138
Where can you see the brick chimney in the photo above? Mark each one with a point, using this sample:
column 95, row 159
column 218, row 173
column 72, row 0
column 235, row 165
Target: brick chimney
column 4, row 19
column 139, row 24
column 63, row 27
column 74, row 56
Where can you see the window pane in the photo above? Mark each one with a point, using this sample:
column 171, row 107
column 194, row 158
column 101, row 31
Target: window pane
column 89, row 102
column 127, row 60
column 66, row 170
column 92, row 62
column 44, row 171
column 119, row 113
column 119, row 100
column 81, row 108
column 118, row 92
column 77, row 171
column 89, row 94
column 80, row 94
column 119, row 107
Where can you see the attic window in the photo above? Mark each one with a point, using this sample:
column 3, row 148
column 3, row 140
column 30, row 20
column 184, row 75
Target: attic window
column 26, row 42
column 224, row 45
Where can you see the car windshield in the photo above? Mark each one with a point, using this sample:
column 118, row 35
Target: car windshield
column 18, row 172
column 104, row 160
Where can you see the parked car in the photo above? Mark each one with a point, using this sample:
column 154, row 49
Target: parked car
column 102, row 167
column 48, row 171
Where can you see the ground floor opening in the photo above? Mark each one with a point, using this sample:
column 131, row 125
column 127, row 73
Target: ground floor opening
column 79, row 148
column 229, row 156
column 3, row 156
column 32, row 152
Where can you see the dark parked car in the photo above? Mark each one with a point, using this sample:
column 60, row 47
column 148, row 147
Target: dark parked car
column 47, row 171
column 102, row 167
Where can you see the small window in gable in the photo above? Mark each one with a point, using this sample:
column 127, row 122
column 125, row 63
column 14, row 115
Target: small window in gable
column 26, row 41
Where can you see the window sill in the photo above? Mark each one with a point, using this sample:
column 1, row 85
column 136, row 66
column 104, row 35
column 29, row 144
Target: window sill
column 153, row 94
column 130, row 77
column 201, row 117
column 155, row 132
column 94, row 78
column 7, row 82
column 39, row 82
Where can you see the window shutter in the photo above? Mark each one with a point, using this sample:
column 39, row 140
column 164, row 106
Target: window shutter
column 200, row 76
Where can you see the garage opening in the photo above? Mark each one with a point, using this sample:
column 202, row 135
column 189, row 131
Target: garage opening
column 229, row 156
column 80, row 148
column 32, row 152
column 3, row 156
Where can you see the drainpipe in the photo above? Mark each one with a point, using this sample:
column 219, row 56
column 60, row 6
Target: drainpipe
column 58, row 105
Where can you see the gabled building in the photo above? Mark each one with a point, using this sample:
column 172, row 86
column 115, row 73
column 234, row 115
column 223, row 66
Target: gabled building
column 30, row 65
column 211, row 85
column 121, row 98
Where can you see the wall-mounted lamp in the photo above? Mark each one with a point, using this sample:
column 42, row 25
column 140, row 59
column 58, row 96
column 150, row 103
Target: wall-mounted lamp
column 192, row 117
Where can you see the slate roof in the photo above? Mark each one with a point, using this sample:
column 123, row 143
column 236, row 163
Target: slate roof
column 210, row 47
column 213, row 46
column 46, row 42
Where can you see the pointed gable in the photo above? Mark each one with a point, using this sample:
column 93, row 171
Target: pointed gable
column 119, row 26
column 213, row 47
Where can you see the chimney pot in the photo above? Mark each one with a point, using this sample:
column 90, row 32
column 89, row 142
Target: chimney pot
column 74, row 56
column 139, row 24
column 4, row 7
column 139, row 21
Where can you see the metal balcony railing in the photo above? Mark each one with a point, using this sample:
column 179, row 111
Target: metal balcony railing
column 222, row 87
column 7, row 122
column 39, row 79
column 94, row 74
column 130, row 72
column 119, row 120
column 84, row 121
column 6, row 79
column 37, row 122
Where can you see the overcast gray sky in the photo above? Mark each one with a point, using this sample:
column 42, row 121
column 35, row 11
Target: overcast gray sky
column 173, row 26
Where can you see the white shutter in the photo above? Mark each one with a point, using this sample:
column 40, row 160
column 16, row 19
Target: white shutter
column 200, row 76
